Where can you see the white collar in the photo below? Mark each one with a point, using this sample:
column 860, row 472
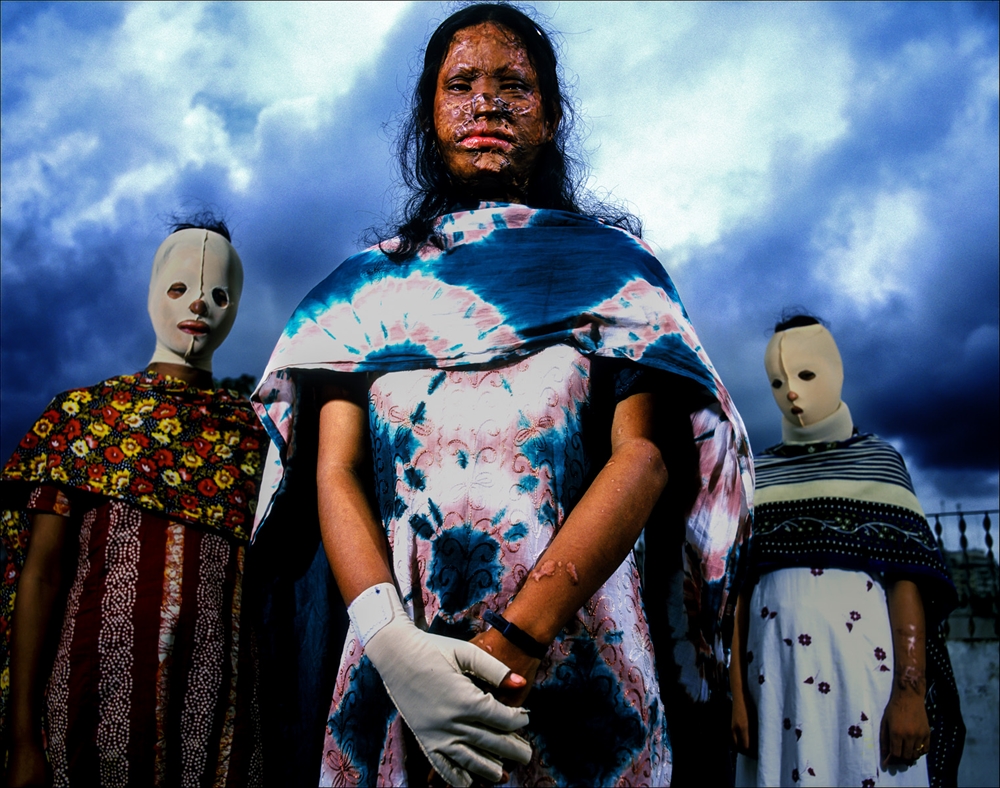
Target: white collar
column 838, row 426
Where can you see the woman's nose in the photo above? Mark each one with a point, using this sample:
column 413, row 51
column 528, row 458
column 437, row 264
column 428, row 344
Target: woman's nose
column 199, row 307
column 484, row 104
column 792, row 396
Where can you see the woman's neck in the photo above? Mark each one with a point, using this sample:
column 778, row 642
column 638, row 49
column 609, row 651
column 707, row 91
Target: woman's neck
column 198, row 378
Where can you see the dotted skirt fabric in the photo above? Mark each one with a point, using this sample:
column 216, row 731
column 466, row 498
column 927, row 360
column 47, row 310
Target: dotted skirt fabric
column 153, row 681
column 820, row 671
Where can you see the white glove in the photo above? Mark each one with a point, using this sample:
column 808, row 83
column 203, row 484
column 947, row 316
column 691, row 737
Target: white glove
column 460, row 728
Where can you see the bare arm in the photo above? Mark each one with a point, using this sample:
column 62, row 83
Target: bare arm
column 905, row 730
column 463, row 731
column 744, row 718
column 354, row 542
column 37, row 590
column 593, row 541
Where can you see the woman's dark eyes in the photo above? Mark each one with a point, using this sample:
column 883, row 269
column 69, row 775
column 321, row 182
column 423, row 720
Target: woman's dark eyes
column 220, row 296
column 507, row 87
column 776, row 384
column 806, row 375
column 177, row 289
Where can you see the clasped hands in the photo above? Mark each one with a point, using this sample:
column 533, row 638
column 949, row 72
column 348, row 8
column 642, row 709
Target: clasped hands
column 462, row 730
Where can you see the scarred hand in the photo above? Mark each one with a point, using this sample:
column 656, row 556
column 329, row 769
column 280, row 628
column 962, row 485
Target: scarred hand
column 511, row 690
column 905, row 734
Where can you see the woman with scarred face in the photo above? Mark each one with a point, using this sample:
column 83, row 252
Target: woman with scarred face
column 839, row 671
column 127, row 509
column 487, row 407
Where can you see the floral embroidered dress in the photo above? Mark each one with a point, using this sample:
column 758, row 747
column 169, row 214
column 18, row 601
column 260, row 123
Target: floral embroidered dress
column 834, row 522
column 153, row 680
column 483, row 359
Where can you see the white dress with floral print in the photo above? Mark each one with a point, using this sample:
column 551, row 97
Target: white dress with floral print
column 819, row 669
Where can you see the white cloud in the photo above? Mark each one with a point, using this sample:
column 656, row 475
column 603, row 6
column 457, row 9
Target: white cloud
column 866, row 249
column 127, row 110
column 694, row 136
column 131, row 185
column 25, row 179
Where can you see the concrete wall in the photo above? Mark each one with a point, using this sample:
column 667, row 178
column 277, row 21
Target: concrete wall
column 977, row 672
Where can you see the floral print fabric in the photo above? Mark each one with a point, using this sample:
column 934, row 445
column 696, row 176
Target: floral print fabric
column 820, row 671
column 850, row 505
column 148, row 441
column 475, row 473
column 154, row 442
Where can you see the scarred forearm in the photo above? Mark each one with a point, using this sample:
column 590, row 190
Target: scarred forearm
column 593, row 541
column 906, row 617
column 905, row 730
column 600, row 531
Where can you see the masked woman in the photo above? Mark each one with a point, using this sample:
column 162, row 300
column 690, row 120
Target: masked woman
column 839, row 671
column 501, row 393
column 139, row 493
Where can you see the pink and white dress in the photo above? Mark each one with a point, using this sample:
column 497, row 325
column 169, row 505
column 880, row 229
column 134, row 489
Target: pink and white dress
column 475, row 472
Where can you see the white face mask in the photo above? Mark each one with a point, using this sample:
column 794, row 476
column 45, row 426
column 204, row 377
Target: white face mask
column 806, row 374
column 194, row 294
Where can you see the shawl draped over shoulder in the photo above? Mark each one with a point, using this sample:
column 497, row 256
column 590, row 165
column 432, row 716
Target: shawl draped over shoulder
column 851, row 505
column 502, row 282
column 189, row 455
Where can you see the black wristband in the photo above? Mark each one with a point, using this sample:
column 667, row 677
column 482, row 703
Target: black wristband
column 515, row 635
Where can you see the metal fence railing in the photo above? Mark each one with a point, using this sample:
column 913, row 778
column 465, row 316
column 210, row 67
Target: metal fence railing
column 974, row 570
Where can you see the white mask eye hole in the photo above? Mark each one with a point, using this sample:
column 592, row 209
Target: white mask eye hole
column 806, row 375
column 176, row 290
column 220, row 296
column 776, row 383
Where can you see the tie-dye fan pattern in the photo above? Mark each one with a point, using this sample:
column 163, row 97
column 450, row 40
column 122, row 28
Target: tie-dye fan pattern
column 506, row 282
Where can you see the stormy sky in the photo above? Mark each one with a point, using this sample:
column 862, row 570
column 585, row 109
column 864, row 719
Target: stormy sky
column 837, row 157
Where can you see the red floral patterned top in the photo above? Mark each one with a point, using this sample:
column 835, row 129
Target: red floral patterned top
column 188, row 454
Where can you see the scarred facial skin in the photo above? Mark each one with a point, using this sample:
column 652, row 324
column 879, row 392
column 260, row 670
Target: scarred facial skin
column 806, row 373
column 488, row 113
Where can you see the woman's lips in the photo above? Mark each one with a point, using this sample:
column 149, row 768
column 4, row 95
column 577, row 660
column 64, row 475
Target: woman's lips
column 193, row 327
column 485, row 142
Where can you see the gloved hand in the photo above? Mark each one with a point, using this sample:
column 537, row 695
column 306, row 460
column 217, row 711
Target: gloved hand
column 460, row 728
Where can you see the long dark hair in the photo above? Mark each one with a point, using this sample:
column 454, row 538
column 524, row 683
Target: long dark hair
column 557, row 181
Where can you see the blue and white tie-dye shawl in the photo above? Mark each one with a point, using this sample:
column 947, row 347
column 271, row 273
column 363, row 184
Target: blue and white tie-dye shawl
column 509, row 281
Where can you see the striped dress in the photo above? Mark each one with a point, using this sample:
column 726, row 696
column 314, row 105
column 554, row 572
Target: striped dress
column 153, row 680
column 836, row 523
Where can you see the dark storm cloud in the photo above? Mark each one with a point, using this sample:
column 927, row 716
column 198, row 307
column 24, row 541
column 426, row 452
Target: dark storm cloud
column 874, row 205
column 73, row 316
column 921, row 363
